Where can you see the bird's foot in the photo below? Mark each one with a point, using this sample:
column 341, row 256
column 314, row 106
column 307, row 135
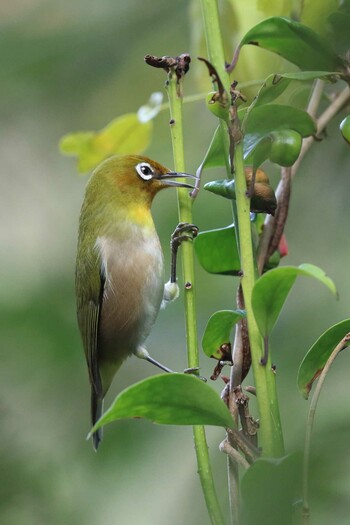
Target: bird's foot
column 184, row 231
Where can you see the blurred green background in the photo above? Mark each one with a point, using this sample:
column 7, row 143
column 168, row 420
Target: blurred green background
column 75, row 65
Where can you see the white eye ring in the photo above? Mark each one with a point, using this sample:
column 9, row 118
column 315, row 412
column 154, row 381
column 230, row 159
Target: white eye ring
column 145, row 170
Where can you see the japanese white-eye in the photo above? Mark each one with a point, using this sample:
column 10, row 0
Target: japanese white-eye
column 119, row 267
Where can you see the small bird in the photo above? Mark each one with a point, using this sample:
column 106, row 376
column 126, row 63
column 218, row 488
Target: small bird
column 119, row 268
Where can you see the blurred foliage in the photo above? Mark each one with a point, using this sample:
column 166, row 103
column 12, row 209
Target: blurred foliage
column 77, row 65
column 119, row 137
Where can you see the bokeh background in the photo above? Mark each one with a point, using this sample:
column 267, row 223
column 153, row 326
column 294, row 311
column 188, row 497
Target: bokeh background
column 74, row 65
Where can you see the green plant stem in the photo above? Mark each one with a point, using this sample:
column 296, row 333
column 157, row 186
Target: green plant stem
column 310, row 422
column 271, row 438
column 212, row 31
column 185, row 215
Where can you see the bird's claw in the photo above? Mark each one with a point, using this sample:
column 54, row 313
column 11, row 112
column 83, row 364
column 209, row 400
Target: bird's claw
column 183, row 232
column 179, row 234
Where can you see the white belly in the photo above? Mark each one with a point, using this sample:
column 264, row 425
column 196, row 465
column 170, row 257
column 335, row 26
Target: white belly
column 133, row 293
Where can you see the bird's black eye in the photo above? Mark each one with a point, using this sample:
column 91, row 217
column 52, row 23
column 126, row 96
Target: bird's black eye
column 144, row 170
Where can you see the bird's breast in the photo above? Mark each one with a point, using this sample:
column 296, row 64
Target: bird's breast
column 133, row 272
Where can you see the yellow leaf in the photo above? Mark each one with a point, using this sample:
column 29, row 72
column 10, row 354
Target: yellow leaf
column 123, row 135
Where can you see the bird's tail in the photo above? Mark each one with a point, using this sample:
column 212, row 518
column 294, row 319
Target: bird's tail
column 96, row 413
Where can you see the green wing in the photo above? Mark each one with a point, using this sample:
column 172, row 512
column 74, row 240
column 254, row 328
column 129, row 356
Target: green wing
column 90, row 284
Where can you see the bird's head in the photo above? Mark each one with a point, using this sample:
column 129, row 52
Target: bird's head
column 137, row 178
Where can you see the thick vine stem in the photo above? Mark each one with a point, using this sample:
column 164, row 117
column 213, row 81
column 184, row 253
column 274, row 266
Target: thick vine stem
column 185, row 215
column 310, row 422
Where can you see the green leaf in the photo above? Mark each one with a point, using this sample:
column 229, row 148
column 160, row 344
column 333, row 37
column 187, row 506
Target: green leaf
column 218, row 331
column 276, row 84
column 314, row 271
column 275, row 117
column 169, row 399
column 281, row 147
column 317, row 356
column 274, row 131
column 295, row 42
column 262, row 201
column 269, row 490
column 215, row 156
column 272, row 288
column 217, row 107
column 223, row 187
column 345, row 128
column 123, row 135
column 217, row 251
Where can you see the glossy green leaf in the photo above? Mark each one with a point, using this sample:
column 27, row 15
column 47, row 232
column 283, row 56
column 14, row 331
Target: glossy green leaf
column 270, row 489
column 263, row 200
column 223, row 187
column 317, row 356
column 216, row 107
column 345, row 128
column 218, row 331
column 271, row 131
column 169, row 399
column 281, row 147
column 217, row 251
column 295, row 42
column 123, row 135
column 276, row 84
column 272, row 288
column 275, row 117
column 215, row 156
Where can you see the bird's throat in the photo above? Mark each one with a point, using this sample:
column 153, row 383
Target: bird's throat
column 141, row 216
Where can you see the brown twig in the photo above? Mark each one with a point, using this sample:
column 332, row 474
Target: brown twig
column 241, row 349
column 178, row 65
column 216, row 79
column 238, row 440
column 233, row 454
column 249, row 424
column 274, row 226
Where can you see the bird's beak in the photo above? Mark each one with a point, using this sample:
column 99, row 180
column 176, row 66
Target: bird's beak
column 168, row 179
